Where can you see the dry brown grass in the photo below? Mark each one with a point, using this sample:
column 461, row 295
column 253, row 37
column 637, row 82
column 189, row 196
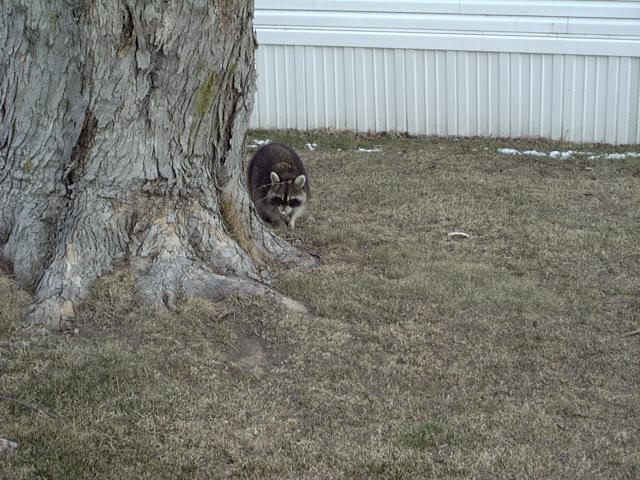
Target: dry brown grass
column 499, row 356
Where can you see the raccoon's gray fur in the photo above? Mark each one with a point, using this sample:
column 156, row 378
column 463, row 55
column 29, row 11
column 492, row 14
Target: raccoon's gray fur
column 278, row 184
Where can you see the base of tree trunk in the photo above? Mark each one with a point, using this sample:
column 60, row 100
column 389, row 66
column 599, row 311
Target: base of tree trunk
column 175, row 248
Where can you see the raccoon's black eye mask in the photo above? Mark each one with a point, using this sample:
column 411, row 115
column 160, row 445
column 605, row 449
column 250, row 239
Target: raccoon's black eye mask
column 293, row 203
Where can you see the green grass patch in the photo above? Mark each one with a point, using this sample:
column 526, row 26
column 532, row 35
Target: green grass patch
column 423, row 435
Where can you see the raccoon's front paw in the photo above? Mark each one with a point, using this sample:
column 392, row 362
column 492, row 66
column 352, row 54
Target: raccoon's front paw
column 285, row 218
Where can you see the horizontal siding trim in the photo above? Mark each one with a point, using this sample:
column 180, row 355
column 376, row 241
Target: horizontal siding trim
column 576, row 8
column 626, row 27
column 572, row 45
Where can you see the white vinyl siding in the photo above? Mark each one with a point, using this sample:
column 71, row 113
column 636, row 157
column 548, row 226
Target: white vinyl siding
column 554, row 69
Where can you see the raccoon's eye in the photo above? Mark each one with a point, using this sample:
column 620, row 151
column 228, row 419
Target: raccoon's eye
column 295, row 203
column 276, row 201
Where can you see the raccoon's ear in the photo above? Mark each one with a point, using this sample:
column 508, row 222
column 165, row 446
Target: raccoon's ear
column 275, row 178
column 300, row 181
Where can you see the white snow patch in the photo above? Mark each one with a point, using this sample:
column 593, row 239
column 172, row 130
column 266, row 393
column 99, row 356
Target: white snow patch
column 534, row 153
column 311, row 146
column 258, row 143
column 616, row 156
column 567, row 154
column 370, row 150
column 562, row 155
column 509, row 151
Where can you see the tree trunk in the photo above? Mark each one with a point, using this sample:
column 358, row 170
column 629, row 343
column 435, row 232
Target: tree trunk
column 122, row 127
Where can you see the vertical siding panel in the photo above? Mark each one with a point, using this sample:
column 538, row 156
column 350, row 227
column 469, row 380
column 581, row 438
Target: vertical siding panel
column 472, row 93
column 462, row 81
column 451, row 89
column 535, row 95
column 624, row 97
column 300, row 90
column 412, row 100
column 387, row 88
column 339, row 88
column 311, row 88
column 505, row 94
column 557, row 75
column 264, row 100
column 376, row 73
column 385, row 115
column 433, row 93
column 636, row 90
column 286, row 80
column 493, row 81
column 421, row 99
column 325, row 75
column 579, row 98
column 600, row 113
column 400, row 100
column 384, row 84
column 370, row 80
column 279, row 71
column 349, row 79
column 375, row 99
column 331, row 87
column 524, row 82
column 468, row 111
column 519, row 115
column 441, row 92
column 482, row 94
column 546, row 112
column 319, row 79
column 513, row 89
column 360, row 87
column 363, row 80
column 569, row 96
column 589, row 99
column 271, row 77
column 613, row 77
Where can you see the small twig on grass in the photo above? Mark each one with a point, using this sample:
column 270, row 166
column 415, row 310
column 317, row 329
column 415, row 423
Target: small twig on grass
column 31, row 406
column 631, row 333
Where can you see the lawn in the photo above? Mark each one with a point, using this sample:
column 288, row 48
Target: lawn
column 500, row 355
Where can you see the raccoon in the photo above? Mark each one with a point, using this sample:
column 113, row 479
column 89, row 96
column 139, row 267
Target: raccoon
column 278, row 184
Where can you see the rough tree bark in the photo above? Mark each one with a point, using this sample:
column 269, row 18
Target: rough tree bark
column 122, row 127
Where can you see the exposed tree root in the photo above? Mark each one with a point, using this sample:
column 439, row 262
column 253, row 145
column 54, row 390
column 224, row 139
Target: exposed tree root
column 177, row 249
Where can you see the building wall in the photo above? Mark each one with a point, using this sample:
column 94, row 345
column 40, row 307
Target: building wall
column 556, row 69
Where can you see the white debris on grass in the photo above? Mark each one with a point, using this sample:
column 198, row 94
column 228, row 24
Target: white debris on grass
column 370, row 150
column 567, row 154
column 258, row 143
column 460, row 235
column 8, row 447
column 311, row 146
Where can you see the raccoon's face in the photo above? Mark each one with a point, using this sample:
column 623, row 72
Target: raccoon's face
column 286, row 197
